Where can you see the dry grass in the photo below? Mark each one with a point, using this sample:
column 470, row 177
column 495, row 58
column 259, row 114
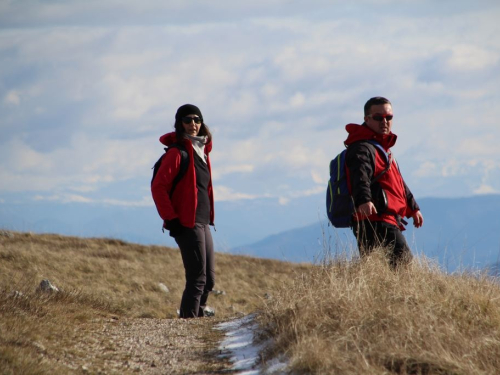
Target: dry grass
column 350, row 317
column 103, row 279
column 340, row 317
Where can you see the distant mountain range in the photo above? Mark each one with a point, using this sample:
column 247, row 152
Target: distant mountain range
column 457, row 231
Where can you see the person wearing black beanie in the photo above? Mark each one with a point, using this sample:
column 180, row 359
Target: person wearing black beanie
column 188, row 109
column 188, row 209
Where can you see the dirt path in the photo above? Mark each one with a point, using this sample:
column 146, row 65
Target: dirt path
column 146, row 346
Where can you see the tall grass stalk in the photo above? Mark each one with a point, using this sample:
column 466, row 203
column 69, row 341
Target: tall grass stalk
column 360, row 317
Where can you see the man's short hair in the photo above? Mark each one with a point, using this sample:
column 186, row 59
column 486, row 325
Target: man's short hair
column 375, row 101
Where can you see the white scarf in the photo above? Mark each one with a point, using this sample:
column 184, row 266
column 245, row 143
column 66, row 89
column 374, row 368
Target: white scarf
column 198, row 143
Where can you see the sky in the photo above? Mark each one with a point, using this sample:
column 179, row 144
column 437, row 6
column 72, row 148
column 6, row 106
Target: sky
column 88, row 87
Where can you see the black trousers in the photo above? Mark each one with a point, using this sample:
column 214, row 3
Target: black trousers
column 197, row 252
column 375, row 234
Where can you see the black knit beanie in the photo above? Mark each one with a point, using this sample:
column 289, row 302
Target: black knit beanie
column 187, row 109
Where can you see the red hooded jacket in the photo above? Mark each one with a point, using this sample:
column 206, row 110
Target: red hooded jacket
column 184, row 200
column 361, row 169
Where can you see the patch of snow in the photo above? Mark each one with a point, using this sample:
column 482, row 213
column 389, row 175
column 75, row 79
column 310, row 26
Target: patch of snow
column 276, row 366
column 239, row 345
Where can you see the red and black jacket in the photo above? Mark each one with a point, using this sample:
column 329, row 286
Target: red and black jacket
column 362, row 167
column 184, row 200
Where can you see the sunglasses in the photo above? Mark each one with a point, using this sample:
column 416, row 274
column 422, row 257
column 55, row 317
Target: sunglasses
column 187, row 120
column 381, row 117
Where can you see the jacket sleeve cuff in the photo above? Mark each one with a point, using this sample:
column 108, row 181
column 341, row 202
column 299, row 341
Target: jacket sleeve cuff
column 410, row 212
column 166, row 222
column 359, row 201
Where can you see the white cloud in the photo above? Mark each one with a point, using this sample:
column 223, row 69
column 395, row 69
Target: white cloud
column 286, row 199
column 452, row 168
column 224, row 193
column 319, row 178
column 13, row 97
column 83, row 188
column 84, row 165
column 65, row 198
column 486, row 189
column 308, row 192
column 457, row 167
column 136, row 87
column 229, row 168
column 283, row 201
column 131, row 100
column 297, row 100
column 427, row 169
column 128, row 12
column 472, row 57
column 270, row 91
column 482, row 146
column 277, row 91
column 146, row 201
column 18, row 156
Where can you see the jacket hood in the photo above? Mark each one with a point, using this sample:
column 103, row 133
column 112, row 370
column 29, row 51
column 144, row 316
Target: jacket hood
column 169, row 138
column 362, row 133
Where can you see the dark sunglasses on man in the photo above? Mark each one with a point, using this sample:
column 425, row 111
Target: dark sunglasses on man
column 381, row 117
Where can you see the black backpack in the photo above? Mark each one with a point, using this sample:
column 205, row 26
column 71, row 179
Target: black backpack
column 183, row 167
column 339, row 202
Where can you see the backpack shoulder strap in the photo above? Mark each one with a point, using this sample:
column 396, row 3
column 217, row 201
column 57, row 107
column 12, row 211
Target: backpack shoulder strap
column 183, row 166
column 387, row 155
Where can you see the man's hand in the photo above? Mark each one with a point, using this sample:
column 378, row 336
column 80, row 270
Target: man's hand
column 367, row 209
column 418, row 219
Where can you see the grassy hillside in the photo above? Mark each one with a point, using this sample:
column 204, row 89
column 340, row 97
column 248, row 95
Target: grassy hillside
column 342, row 317
column 363, row 318
column 104, row 279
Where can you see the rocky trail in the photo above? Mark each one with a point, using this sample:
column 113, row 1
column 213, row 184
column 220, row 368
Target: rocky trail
column 108, row 307
column 148, row 346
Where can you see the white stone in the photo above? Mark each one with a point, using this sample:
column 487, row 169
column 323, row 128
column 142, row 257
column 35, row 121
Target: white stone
column 218, row 292
column 163, row 287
